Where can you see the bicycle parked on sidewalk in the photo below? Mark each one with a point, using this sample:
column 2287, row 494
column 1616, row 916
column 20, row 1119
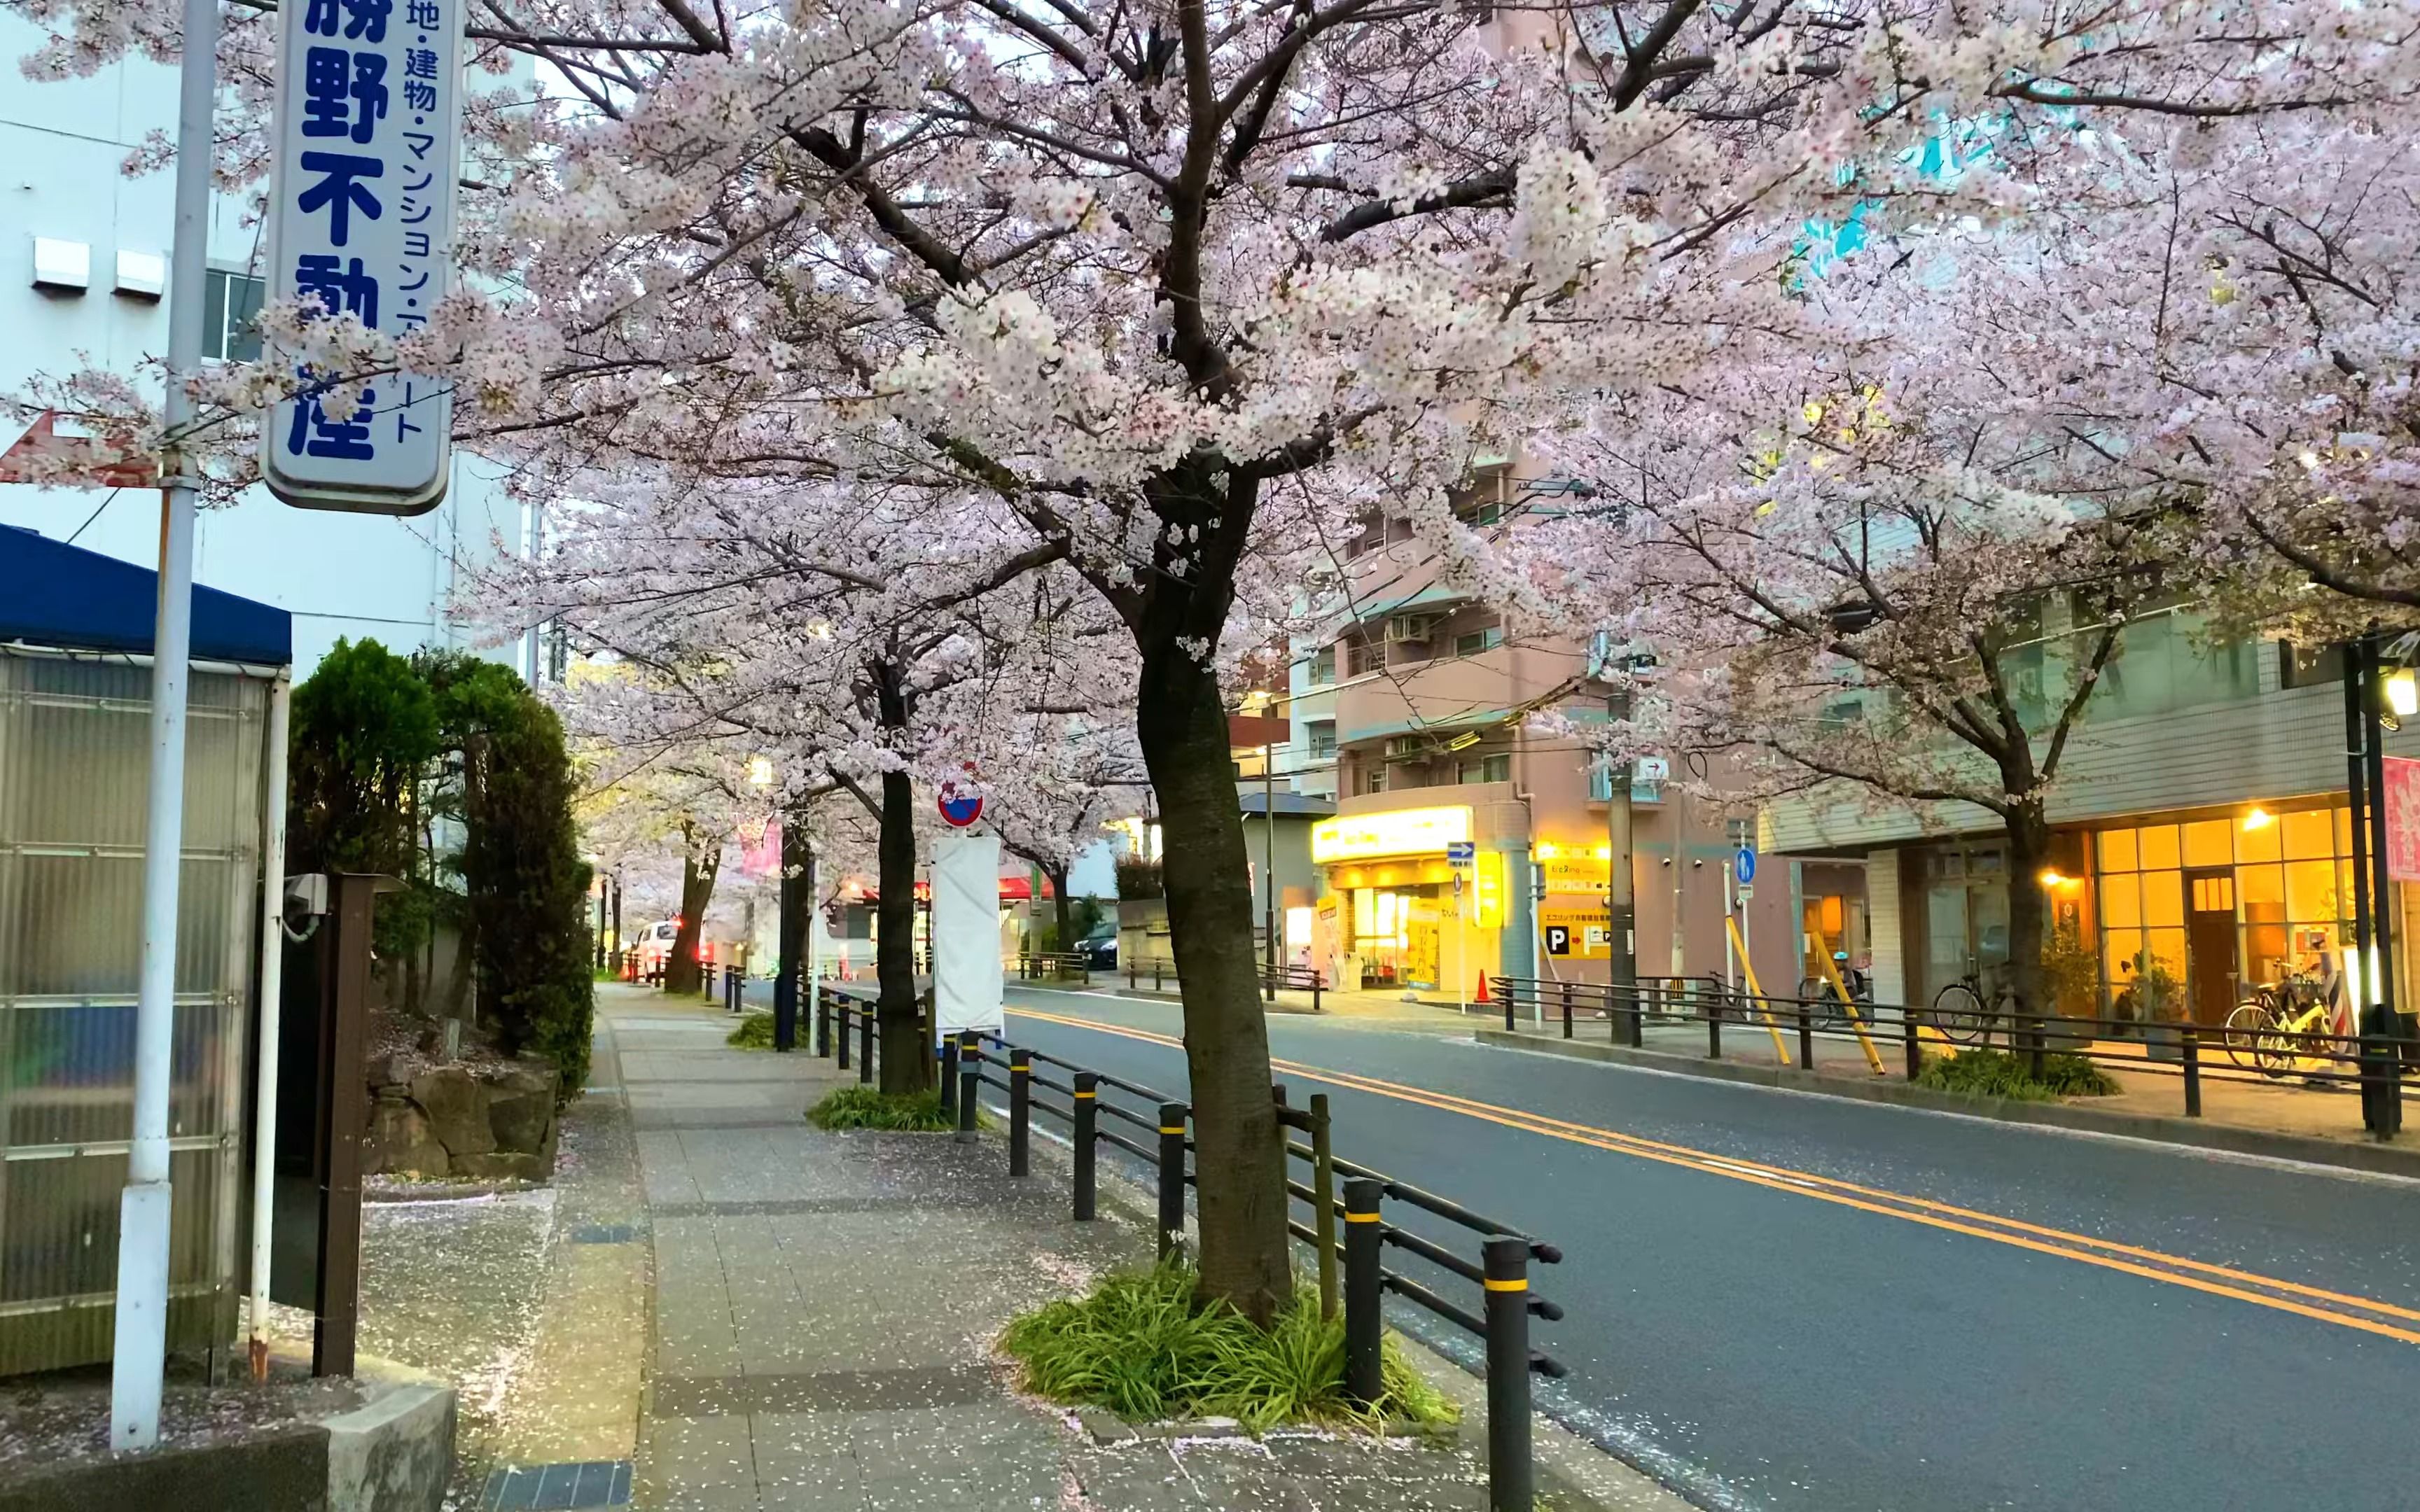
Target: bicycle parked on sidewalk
column 2269, row 1031
column 1970, row 1008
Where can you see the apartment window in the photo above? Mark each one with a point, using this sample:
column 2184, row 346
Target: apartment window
column 1374, row 779
column 1363, row 657
column 1473, row 642
column 1494, row 768
column 2309, row 666
column 1323, row 737
column 230, row 304
column 1323, row 667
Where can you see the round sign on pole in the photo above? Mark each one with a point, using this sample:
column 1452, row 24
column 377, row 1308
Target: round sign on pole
column 1744, row 866
column 959, row 809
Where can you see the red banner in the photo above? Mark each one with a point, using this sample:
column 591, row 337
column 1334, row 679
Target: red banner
column 2402, row 818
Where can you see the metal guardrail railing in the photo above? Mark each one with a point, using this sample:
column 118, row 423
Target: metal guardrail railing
column 1052, row 965
column 1098, row 1109
column 2254, row 1047
column 1272, row 981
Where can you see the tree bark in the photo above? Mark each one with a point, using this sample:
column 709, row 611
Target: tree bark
column 1057, row 877
column 790, row 931
column 2028, row 911
column 698, row 867
column 1239, row 1162
column 904, row 1057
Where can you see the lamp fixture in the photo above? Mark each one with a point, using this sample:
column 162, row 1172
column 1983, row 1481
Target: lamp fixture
column 2258, row 818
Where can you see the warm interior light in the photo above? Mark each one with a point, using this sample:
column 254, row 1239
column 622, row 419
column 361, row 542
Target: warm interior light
column 1546, row 851
column 2051, row 877
column 2403, row 693
column 1604, row 853
column 2258, row 818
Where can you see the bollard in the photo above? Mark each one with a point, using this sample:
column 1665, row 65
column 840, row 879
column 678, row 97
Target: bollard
column 950, row 1075
column 1567, row 1010
column 1363, row 1292
column 1323, row 1201
column 865, row 1043
column 1088, row 1114
column 1638, row 1014
column 2036, row 1039
column 969, row 1068
column 2189, row 1046
column 1021, row 1112
column 840, row 1041
column 1131, row 976
column 1154, row 974
column 823, row 1019
column 1508, row 1012
column 1714, row 1028
column 1314, row 992
column 1915, row 1046
column 1805, row 1038
column 1171, row 1176
column 1510, row 1478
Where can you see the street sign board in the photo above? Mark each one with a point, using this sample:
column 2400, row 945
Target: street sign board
column 1460, row 853
column 1559, row 939
column 959, row 809
column 1744, row 866
column 360, row 215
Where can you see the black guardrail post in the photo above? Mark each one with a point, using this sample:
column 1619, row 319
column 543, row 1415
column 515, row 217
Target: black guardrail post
column 1323, row 1198
column 1087, row 1109
column 1511, row 1485
column 950, row 1075
column 1021, row 1112
column 2037, row 1045
column 1713, row 1011
column 2189, row 1047
column 1315, row 979
column 841, row 1008
column 1508, row 1006
column 969, row 1068
column 1914, row 1045
column 1155, row 973
column 1638, row 1016
column 1805, row 1038
column 1567, row 1010
column 823, row 1019
column 865, row 1043
column 1364, row 1293
column 1171, row 1176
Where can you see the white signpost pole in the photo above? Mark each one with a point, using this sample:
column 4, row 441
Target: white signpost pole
column 360, row 215
column 139, row 1347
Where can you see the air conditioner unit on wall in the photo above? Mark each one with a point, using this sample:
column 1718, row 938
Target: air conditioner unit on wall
column 1415, row 628
column 1406, row 747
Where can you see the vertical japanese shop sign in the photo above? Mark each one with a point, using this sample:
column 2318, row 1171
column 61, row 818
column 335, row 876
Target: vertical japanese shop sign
column 368, row 127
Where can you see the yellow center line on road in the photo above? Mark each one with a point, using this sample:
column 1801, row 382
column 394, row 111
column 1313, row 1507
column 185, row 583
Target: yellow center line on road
column 2129, row 1259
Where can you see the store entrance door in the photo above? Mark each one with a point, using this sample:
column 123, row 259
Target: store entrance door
column 2210, row 943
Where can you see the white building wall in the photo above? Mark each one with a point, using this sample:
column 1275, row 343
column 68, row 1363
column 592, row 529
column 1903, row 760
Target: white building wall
column 1890, row 951
column 356, row 575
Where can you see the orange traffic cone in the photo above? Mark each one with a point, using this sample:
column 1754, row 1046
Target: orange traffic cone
column 1483, row 989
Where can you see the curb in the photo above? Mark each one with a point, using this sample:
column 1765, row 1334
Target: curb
column 2371, row 1159
column 396, row 1451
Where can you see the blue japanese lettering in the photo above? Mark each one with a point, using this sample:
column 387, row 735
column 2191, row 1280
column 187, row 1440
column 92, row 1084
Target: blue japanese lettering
column 340, row 192
column 424, row 14
column 330, row 93
column 366, row 20
column 315, row 434
column 341, row 289
column 319, row 18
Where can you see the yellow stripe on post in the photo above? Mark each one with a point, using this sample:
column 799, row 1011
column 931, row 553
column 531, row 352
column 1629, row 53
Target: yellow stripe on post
column 1360, row 1217
column 1088, row 1094
column 1494, row 1285
column 1165, row 1129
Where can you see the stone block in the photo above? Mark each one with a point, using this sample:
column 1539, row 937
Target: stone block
column 520, row 1121
column 396, row 1452
column 283, row 1468
column 401, row 1142
column 456, row 1106
column 391, row 1071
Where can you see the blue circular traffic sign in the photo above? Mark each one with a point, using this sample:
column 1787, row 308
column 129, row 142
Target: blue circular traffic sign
column 1744, row 866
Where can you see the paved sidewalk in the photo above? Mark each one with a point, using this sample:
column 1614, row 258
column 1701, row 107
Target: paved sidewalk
column 824, row 1304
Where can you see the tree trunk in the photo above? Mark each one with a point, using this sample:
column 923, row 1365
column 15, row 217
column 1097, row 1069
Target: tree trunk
column 904, row 1056
column 1057, row 877
column 681, row 974
column 790, row 933
column 1239, row 1162
column 2028, row 909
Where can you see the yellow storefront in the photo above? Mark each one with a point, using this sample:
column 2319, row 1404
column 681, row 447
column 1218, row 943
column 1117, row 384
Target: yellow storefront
column 1397, row 913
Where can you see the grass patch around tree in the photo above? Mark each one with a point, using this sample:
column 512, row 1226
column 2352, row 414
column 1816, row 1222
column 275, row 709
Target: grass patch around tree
column 755, row 1031
column 2000, row 1074
column 1143, row 1346
column 864, row 1107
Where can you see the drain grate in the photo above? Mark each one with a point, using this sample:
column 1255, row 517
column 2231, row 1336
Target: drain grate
column 551, row 1488
column 604, row 1233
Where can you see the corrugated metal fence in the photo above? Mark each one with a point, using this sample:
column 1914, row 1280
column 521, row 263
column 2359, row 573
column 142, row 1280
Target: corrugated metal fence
column 73, row 761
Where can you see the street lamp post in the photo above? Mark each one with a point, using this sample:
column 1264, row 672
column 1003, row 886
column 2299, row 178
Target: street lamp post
column 2366, row 691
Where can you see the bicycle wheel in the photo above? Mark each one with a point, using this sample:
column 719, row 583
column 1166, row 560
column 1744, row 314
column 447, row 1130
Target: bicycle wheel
column 2274, row 1052
column 2246, row 1024
column 1958, row 1013
column 1814, row 990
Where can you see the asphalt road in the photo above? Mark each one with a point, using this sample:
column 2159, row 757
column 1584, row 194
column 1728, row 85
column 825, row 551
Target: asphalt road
column 1790, row 1301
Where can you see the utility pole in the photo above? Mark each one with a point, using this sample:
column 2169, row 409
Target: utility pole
column 140, row 1346
column 1269, row 852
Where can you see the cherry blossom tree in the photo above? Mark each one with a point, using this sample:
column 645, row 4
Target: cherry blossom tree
column 1163, row 297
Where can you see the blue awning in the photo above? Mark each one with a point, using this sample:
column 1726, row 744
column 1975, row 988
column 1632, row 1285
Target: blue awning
column 64, row 597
